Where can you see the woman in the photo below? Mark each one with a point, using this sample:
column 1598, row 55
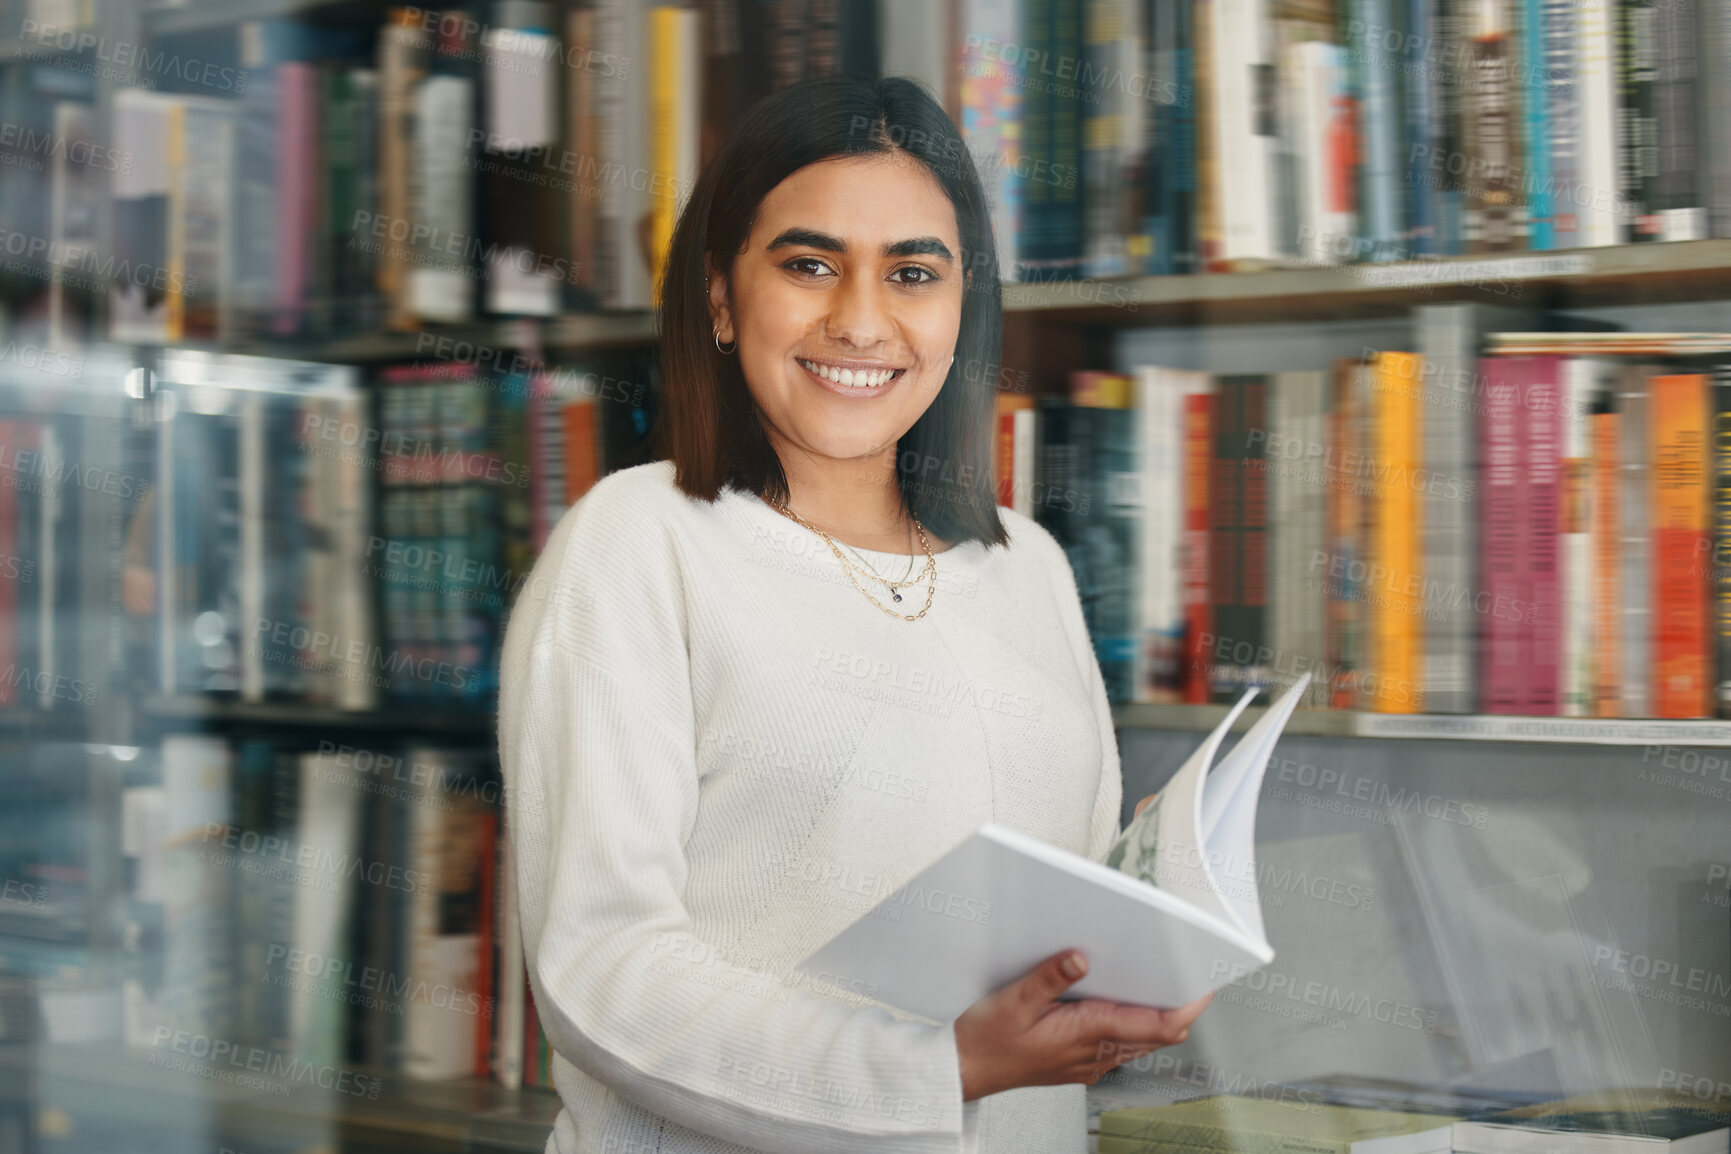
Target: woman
column 757, row 684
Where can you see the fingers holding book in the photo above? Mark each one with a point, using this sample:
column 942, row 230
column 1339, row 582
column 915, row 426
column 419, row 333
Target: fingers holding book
column 1023, row 1035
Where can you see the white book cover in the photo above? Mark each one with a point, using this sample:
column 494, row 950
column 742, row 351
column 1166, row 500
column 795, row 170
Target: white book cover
column 1318, row 112
column 1601, row 221
column 142, row 119
column 1244, row 145
column 1584, row 379
column 622, row 110
column 1022, row 462
column 441, row 286
column 1158, row 925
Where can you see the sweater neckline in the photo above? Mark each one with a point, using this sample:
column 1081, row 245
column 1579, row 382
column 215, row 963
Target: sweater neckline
column 962, row 553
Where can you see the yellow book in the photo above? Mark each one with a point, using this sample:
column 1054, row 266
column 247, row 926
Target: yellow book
column 673, row 143
column 1396, row 589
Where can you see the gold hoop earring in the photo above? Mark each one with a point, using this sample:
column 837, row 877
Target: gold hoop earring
column 719, row 349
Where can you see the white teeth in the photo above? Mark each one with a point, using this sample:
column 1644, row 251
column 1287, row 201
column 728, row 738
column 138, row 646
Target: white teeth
column 852, row 378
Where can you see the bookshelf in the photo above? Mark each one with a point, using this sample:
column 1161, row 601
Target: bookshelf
column 1596, row 834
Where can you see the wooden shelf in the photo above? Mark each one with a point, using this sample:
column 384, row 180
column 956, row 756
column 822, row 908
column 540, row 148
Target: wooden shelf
column 430, row 720
column 1645, row 273
column 1439, row 727
column 569, row 332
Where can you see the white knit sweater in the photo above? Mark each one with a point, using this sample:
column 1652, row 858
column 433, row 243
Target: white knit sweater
column 717, row 755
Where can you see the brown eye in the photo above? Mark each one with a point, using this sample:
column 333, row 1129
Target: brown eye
column 926, row 275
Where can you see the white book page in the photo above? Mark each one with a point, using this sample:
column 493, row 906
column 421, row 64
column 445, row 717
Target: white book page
column 1229, row 812
column 1163, row 845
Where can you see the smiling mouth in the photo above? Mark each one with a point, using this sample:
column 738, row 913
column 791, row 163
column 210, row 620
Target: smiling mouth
column 862, row 378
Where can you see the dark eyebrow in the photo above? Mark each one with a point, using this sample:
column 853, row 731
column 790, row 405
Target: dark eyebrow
column 811, row 238
column 919, row 246
column 807, row 238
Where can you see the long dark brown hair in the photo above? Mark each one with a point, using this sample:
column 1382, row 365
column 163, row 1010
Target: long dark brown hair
column 708, row 424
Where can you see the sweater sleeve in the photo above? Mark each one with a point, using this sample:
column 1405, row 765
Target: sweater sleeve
column 597, row 746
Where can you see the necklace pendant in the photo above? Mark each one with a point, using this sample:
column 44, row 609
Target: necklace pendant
column 894, row 594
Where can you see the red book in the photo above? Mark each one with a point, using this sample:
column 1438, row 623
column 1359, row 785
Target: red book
column 1198, row 616
column 1682, row 686
column 1502, row 602
column 1542, row 455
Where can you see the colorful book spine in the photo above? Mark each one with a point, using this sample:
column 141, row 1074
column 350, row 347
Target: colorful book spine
column 1635, row 512
column 1502, row 536
column 1584, row 378
column 1682, row 195
column 1607, row 557
column 1392, row 676
column 1678, row 414
column 1596, row 199
column 1346, row 540
column 1495, row 202
column 1542, row 458
column 1721, row 561
column 992, row 107
column 1198, row 565
column 1638, row 129
column 1375, row 73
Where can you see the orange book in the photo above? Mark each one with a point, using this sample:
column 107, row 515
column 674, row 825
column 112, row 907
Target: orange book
column 1390, row 681
column 582, row 448
column 1682, row 685
column 1607, row 566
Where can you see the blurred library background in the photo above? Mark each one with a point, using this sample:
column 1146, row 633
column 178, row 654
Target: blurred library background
column 1387, row 341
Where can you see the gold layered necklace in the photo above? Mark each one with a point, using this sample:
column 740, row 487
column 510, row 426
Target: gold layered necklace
column 928, row 575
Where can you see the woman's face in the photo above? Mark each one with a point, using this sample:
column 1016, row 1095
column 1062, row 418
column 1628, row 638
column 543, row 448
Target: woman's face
column 846, row 302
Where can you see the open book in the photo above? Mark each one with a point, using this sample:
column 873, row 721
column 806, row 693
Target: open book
column 1171, row 915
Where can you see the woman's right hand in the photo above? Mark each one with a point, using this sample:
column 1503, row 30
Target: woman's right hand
column 1021, row 1035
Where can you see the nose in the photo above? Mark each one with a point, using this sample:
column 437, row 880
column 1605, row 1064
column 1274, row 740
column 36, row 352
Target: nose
column 859, row 314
